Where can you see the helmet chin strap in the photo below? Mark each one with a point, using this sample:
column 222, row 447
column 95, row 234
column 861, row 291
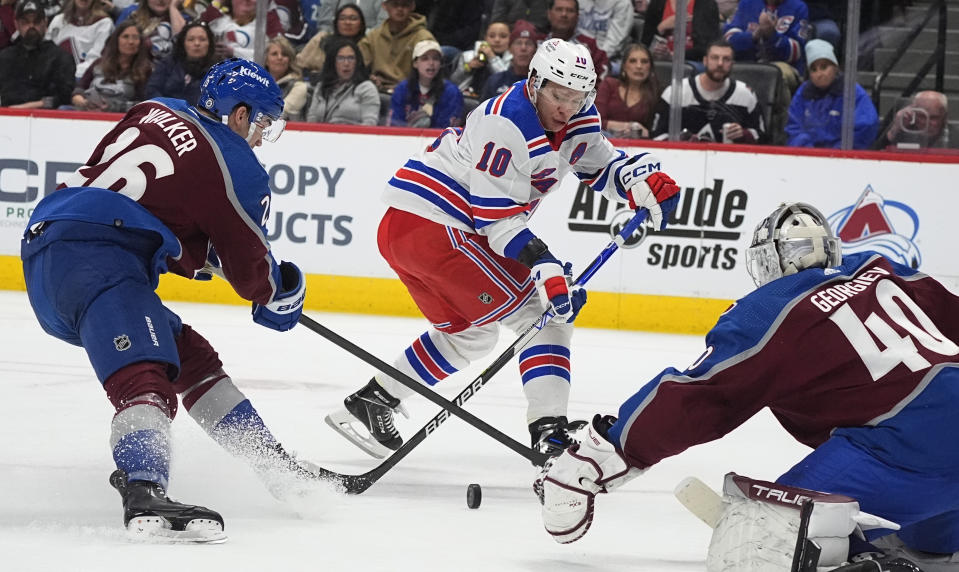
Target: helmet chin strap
column 251, row 133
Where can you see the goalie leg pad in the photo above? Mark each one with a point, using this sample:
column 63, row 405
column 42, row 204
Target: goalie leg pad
column 762, row 526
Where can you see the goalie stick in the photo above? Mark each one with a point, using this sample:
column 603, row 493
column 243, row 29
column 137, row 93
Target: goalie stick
column 356, row 484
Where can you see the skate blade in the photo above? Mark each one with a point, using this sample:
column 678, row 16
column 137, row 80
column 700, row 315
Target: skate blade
column 158, row 529
column 343, row 422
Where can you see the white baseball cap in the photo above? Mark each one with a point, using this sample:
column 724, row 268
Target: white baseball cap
column 424, row 46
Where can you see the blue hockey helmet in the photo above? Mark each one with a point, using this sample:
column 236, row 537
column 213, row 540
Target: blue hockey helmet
column 237, row 81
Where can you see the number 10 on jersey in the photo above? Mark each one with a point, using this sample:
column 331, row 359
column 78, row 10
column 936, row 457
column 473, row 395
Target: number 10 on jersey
column 500, row 160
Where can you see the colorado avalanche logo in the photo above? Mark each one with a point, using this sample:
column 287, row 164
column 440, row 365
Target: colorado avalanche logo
column 874, row 223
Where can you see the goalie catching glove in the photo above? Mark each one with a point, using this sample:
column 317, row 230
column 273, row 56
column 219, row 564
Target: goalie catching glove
column 569, row 483
column 284, row 311
column 646, row 187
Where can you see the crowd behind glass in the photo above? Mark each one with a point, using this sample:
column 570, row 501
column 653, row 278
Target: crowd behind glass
column 755, row 71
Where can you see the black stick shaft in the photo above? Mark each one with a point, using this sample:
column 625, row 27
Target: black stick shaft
column 526, row 452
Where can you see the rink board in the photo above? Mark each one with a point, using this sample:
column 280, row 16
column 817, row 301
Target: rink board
column 327, row 182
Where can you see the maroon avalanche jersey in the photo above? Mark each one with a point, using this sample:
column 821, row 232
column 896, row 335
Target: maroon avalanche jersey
column 868, row 350
column 201, row 180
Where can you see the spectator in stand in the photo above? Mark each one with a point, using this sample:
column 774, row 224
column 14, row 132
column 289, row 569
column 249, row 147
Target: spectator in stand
column 344, row 95
column 924, row 124
column 374, row 13
column 235, row 28
column 773, row 31
column 824, row 18
column 456, row 25
column 180, row 74
column 609, row 22
column 702, row 27
column 290, row 13
column 350, row 24
column 117, row 80
column 159, row 21
column 726, row 9
column 523, row 41
column 310, row 12
column 34, row 73
column 815, row 116
column 388, row 48
column 81, row 30
column 716, row 108
column 510, row 11
column 626, row 103
column 490, row 56
column 563, row 17
column 8, row 23
column 426, row 98
column 280, row 63
column 51, row 8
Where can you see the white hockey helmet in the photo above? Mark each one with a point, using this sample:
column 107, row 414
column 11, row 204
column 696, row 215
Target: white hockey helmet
column 565, row 64
column 796, row 236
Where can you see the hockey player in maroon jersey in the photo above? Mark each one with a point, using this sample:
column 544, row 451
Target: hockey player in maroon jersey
column 171, row 188
column 457, row 235
column 855, row 355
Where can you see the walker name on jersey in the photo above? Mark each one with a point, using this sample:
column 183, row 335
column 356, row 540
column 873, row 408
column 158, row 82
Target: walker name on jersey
column 702, row 233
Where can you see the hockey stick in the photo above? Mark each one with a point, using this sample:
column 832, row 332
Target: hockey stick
column 356, row 484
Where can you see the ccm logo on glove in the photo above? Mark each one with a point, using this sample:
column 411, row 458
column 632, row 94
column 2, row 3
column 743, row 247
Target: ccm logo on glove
column 640, row 171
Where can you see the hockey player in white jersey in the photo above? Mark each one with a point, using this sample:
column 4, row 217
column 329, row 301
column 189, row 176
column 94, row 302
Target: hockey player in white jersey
column 456, row 234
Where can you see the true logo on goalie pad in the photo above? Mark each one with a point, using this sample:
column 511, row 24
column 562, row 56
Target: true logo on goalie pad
column 122, row 342
column 783, row 495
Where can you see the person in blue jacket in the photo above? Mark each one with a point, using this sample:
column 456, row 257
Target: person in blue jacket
column 815, row 115
column 426, row 98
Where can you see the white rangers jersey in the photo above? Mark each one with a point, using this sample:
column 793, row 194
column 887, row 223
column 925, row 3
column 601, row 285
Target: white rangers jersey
column 488, row 177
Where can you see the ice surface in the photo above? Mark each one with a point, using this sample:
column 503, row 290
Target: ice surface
column 57, row 511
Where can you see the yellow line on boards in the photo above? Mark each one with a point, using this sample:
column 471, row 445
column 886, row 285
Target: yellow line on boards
column 388, row 296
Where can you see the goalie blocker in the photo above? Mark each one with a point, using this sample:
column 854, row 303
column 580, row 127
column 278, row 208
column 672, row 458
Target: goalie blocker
column 764, row 526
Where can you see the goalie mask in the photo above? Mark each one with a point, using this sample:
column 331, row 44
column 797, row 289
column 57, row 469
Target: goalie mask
column 794, row 237
column 565, row 64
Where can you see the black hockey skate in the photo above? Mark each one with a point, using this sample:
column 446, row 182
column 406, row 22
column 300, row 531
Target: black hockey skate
column 147, row 511
column 551, row 435
column 878, row 562
column 373, row 407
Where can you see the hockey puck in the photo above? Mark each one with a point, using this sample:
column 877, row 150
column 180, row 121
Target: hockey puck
column 474, row 495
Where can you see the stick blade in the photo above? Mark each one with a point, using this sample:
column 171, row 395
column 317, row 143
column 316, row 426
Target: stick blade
column 699, row 499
